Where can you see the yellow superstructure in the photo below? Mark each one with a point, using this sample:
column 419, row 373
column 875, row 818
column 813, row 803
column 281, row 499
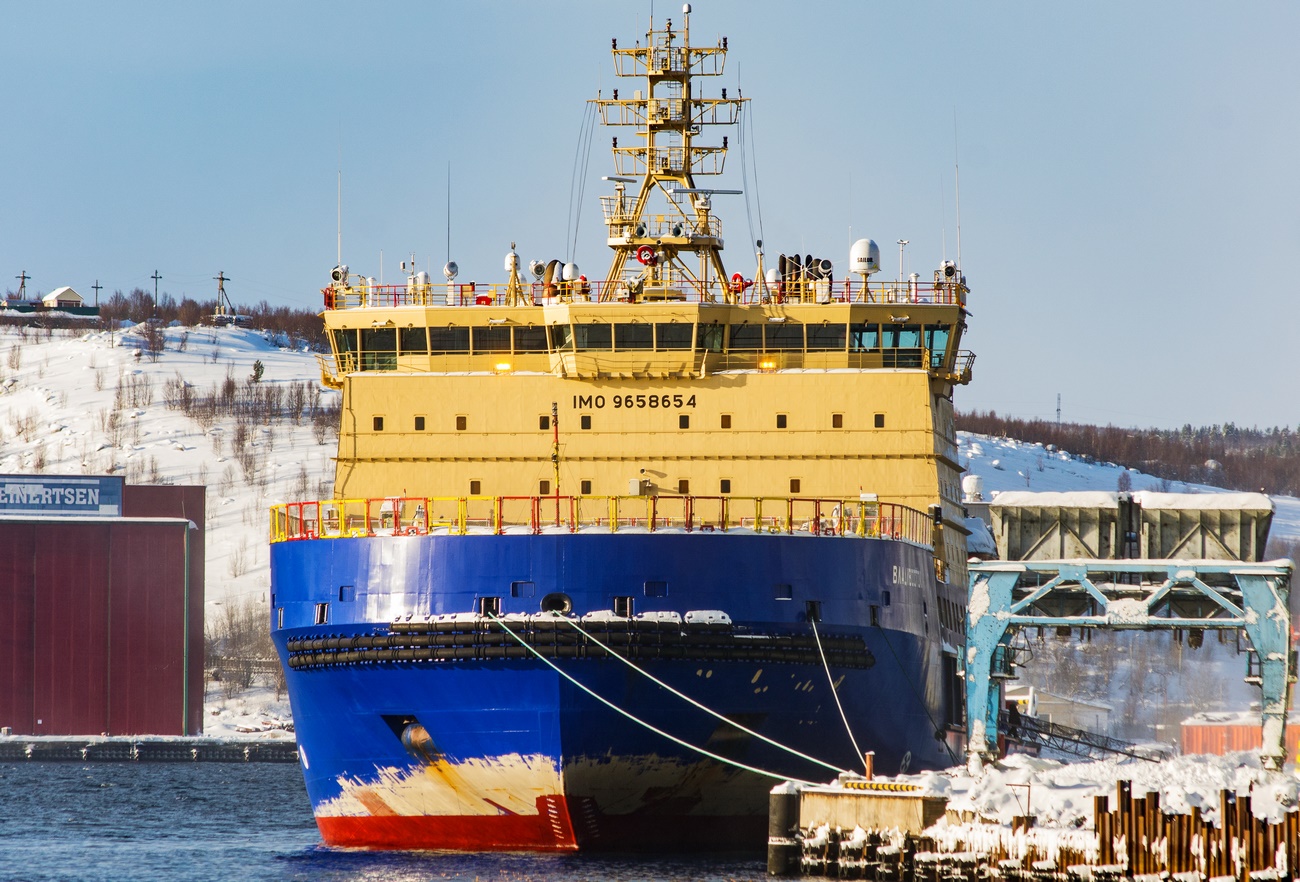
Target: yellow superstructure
column 667, row 379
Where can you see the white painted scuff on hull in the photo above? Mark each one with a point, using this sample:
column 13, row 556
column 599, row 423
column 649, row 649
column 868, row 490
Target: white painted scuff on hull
column 514, row 783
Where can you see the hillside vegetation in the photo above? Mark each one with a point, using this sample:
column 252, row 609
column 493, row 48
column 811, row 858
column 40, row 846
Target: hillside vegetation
column 1228, row 456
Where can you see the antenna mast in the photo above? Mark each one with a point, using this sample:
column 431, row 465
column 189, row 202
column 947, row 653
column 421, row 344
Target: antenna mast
column 668, row 116
column 956, row 167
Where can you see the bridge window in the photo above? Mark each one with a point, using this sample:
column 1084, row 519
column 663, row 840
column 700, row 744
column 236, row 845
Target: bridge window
column 673, row 335
column 837, row 421
column 585, row 421
column 561, row 337
column 378, row 423
column 414, row 341
column 880, row 421
column 826, row 336
column 794, row 485
column 491, row 339
column 475, row 488
column 786, row 335
column 633, row 336
column 711, row 336
column 684, row 421
column 864, row 336
column 543, row 488
column 902, row 336
column 449, row 339
column 683, row 486
column 544, row 423
column 597, row 335
column 724, row 486
column 746, row 337
column 345, row 341
column 585, row 488
column 936, row 340
column 781, row 421
column 530, row 339
column 462, row 423
column 379, row 349
column 419, row 424
column 726, row 421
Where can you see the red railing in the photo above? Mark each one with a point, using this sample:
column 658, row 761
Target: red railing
column 460, row 515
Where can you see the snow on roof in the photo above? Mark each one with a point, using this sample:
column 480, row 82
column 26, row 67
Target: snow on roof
column 1071, row 499
column 65, row 293
column 1148, row 499
column 1256, row 502
column 980, row 540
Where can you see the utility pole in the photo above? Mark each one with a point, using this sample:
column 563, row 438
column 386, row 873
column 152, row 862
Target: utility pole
column 1058, row 410
column 155, row 278
column 22, row 285
column 221, row 280
column 96, row 286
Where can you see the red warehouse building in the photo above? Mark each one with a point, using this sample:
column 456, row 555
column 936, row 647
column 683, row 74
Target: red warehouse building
column 101, row 607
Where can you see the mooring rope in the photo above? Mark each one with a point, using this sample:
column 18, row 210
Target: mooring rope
column 835, row 692
column 684, row 697
column 673, row 738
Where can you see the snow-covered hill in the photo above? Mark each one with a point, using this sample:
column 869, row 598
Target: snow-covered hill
column 95, row 403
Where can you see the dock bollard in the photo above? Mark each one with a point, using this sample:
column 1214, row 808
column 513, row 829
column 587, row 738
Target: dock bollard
column 783, row 830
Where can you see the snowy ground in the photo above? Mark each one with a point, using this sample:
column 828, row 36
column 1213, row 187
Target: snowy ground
column 58, row 394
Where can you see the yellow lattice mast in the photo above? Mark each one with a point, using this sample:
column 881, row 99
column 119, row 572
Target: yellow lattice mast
column 650, row 248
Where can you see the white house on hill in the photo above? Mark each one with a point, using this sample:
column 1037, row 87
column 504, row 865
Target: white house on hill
column 64, row 296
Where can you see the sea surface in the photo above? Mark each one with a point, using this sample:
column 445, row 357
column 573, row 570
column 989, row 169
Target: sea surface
column 94, row 822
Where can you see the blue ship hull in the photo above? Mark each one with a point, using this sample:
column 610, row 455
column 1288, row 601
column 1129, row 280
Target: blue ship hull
column 454, row 733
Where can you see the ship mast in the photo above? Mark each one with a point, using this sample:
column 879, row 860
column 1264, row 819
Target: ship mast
column 651, row 249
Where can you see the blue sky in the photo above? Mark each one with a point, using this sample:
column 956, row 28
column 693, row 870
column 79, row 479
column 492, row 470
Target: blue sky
column 1130, row 194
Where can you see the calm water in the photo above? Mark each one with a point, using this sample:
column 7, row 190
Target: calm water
column 213, row 821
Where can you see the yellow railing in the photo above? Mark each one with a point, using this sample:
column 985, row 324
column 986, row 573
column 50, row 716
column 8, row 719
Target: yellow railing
column 846, row 290
column 460, row 515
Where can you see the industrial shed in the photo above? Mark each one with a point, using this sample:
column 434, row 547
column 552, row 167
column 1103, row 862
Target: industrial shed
column 101, row 607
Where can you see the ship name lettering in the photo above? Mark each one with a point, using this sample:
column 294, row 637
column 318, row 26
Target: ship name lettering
column 909, row 577
column 634, row 402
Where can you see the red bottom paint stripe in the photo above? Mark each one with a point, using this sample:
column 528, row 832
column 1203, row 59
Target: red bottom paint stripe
column 553, row 828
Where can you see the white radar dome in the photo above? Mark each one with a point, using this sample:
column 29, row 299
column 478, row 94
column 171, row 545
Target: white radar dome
column 972, row 489
column 570, row 272
column 864, row 257
column 772, row 275
column 512, row 262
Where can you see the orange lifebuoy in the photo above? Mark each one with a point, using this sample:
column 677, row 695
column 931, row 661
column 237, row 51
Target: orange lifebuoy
column 646, row 256
column 737, row 283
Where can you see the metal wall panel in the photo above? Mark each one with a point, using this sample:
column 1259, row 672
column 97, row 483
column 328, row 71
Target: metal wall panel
column 147, row 661
column 93, row 619
column 72, row 633
column 17, row 547
column 190, row 502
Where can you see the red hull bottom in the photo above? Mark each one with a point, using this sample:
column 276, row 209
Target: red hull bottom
column 559, row 825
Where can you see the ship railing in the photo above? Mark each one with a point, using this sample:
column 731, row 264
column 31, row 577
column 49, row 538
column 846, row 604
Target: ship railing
column 748, row 291
column 461, row 515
